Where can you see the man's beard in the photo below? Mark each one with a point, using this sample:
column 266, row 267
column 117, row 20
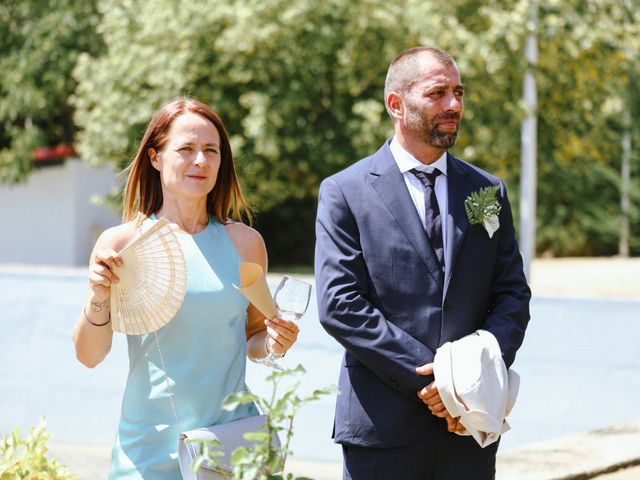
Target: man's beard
column 427, row 128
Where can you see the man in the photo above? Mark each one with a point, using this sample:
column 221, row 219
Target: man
column 400, row 271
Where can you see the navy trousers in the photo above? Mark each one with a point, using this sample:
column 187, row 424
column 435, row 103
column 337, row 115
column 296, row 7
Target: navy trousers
column 439, row 455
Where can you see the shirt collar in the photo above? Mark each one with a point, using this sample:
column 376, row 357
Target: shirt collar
column 406, row 161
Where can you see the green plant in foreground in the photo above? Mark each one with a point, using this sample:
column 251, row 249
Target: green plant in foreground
column 25, row 458
column 263, row 460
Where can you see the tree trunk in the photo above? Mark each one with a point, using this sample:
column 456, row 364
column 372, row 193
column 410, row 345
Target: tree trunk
column 528, row 153
column 625, row 184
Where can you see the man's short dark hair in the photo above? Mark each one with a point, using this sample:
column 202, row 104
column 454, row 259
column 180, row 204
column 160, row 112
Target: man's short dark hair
column 404, row 69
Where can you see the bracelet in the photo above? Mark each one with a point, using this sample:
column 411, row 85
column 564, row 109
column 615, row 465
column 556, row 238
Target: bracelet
column 84, row 312
column 268, row 350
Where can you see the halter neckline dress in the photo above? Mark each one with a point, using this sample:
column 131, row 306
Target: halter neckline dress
column 204, row 350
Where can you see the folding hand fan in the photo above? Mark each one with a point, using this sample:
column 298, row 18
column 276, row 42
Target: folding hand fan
column 153, row 280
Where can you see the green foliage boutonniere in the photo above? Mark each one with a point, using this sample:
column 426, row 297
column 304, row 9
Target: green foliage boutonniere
column 483, row 207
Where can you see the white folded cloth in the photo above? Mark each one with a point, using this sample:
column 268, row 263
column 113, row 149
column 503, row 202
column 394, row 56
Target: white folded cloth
column 474, row 384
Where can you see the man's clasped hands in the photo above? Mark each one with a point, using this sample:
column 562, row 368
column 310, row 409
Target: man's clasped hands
column 431, row 397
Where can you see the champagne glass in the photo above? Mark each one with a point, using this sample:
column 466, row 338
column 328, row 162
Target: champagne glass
column 292, row 299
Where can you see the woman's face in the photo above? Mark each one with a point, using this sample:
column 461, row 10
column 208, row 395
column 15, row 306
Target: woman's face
column 190, row 160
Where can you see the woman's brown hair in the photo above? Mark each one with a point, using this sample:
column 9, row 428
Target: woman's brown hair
column 143, row 190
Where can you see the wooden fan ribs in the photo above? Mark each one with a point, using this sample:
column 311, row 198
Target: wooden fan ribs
column 152, row 282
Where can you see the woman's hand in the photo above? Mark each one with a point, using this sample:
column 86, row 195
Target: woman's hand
column 101, row 277
column 92, row 334
column 281, row 335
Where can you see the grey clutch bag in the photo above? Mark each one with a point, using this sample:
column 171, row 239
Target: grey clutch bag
column 230, row 435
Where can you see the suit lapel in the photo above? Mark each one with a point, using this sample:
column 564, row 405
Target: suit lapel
column 389, row 184
column 459, row 188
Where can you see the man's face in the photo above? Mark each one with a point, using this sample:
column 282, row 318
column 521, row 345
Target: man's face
column 434, row 105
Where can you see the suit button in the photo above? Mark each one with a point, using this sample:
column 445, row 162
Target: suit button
column 393, row 382
column 447, row 306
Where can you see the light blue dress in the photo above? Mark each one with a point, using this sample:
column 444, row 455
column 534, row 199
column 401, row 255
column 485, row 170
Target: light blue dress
column 204, row 350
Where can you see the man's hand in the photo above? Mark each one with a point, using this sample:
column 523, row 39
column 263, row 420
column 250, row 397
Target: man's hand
column 454, row 425
column 431, row 397
column 429, row 394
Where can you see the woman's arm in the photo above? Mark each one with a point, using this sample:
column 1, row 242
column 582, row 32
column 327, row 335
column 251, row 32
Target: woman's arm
column 277, row 334
column 92, row 334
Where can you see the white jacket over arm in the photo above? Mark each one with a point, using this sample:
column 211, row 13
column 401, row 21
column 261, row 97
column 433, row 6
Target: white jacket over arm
column 475, row 385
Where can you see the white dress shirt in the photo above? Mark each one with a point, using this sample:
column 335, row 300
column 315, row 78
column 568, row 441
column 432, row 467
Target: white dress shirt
column 406, row 162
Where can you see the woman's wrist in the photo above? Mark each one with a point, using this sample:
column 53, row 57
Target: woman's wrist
column 98, row 305
column 95, row 324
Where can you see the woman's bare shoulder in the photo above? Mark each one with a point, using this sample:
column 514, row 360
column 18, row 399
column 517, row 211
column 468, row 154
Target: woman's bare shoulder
column 116, row 238
column 248, row 242
column 243, row 231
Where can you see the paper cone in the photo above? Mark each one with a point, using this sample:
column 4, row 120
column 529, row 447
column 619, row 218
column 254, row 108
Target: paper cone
column 255, row 289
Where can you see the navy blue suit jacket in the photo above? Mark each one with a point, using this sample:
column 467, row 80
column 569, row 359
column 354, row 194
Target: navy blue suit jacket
column 382, row 295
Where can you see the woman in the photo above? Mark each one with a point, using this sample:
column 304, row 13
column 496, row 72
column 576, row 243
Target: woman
column 184, row 172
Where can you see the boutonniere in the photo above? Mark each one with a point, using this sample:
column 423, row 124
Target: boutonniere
column 483, row 207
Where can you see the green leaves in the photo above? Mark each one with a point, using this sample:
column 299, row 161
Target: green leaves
column 40, row 43
column 25, row 458
column 234, row 400
column 263, row 460
column 482, row 204
column 299, row 86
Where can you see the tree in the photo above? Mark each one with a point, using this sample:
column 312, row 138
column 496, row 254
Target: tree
column 586, row 70
column 40, row 42
column 587, row 64
column 299, row 85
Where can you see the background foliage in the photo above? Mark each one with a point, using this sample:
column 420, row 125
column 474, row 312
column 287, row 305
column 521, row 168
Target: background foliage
column 25, row 458
column 262, row 458
column 39, row 45
column 299, row 85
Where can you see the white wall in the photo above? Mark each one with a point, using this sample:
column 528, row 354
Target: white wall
column 50, row 219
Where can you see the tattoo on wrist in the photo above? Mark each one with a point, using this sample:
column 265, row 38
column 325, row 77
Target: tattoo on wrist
column 98, row 306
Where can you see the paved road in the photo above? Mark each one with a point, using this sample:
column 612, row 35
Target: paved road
column 579, row 356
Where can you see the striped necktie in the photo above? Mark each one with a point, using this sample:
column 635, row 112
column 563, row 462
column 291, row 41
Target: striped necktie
column 433, row 221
